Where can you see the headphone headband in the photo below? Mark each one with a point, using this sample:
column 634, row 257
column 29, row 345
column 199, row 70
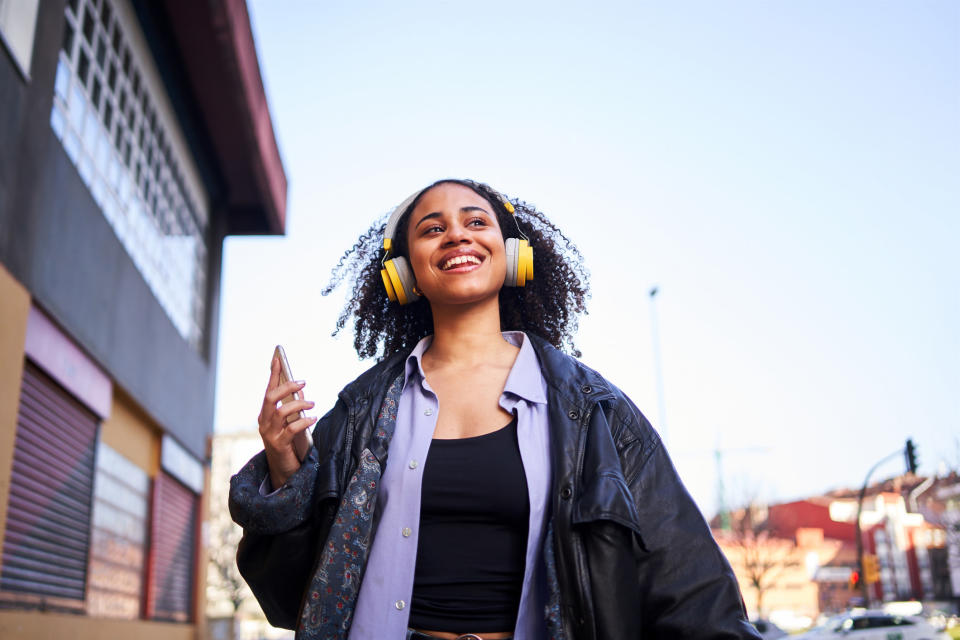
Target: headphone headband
column 397, row 213
column 395, row 220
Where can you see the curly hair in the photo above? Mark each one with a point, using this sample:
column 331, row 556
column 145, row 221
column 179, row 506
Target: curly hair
column 550, row 305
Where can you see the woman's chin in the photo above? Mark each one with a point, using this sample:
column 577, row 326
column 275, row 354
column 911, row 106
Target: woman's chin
column 464, row 297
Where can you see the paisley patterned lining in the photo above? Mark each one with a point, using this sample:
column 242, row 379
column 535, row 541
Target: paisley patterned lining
column 332, row 595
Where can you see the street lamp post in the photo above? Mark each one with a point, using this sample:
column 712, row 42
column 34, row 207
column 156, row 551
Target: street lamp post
column 658, row 370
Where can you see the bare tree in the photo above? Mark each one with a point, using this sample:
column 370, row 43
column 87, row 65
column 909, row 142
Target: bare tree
column 760, row 557
column 224, row 581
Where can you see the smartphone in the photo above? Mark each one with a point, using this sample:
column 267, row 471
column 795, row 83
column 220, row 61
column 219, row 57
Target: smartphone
column 302, row 442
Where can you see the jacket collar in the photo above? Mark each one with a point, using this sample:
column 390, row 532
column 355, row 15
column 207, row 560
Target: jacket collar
column 574, row 381
column 373, row 379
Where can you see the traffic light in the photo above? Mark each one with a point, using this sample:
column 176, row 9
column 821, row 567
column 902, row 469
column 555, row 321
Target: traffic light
column 854, row 580
column 910, row 454
column 871, row 568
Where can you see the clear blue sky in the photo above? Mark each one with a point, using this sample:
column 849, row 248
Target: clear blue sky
column 786, row 173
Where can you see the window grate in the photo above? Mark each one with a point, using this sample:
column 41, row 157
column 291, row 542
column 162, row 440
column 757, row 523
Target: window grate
column 48, row 512
column 172, row 551
column 106, row 116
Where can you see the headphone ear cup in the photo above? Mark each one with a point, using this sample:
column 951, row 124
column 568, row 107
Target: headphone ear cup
column 513, row 253
column 400, row 277
column 528, row 260
column 407, row 279
column 522, row 264
column 388, row 284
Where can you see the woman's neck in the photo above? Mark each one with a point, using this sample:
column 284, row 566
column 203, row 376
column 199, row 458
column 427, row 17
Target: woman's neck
column 467, row 335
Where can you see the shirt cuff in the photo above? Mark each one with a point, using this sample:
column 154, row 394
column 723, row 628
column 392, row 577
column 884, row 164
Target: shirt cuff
column 266, row 488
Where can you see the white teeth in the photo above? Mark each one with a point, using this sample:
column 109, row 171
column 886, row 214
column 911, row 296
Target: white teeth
column 457, row 261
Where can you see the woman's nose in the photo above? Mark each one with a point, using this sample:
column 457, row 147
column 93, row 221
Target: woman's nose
column 456, row 234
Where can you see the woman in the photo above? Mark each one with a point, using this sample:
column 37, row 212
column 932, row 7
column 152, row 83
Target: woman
column 548, row 508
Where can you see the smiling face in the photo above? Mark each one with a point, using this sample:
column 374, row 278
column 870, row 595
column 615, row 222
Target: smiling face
column 455, row 246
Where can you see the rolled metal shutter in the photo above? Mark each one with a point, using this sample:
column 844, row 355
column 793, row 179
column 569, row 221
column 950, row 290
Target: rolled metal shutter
column 47, row 535
column 173, row 530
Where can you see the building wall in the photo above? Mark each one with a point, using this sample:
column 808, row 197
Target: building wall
column 61, row 260
column 55, row 241
column 790, row 581
column 132, row 434
column 46, row 626
column 59, row 254
column 786, row 518
column 13, row 319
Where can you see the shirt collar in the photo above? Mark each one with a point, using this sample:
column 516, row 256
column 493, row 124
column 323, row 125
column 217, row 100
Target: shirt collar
column 524, row 381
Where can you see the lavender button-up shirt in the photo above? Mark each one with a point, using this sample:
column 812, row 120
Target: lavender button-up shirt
column 383, row 606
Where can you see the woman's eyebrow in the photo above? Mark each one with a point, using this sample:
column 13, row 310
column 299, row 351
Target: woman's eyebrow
column 472, row 208
column 437, row 214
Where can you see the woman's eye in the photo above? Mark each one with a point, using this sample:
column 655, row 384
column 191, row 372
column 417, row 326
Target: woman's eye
column 433, row 229
column 480, row 222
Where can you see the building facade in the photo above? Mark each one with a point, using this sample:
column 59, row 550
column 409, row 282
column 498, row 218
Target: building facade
column 798, row 559
column 135, row 137
column 780, row 570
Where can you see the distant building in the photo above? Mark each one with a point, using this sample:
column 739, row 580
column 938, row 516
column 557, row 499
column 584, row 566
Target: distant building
column 939, row 502
column 806, row 553
column 135, row 137
column 231, row 608
column 901, row 528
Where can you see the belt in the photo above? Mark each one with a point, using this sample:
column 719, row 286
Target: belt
column 419, row 635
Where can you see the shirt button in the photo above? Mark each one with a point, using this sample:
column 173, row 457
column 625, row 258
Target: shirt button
column 428, row 412
column 400, row 604
column 413, row 464
column 406, row 532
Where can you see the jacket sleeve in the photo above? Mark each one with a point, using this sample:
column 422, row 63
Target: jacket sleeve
column 283, row 530
column 686, row 586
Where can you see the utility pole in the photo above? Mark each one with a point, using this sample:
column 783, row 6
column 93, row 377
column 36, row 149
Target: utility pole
column 721, row 501
column 658, row 367
column 722, row 512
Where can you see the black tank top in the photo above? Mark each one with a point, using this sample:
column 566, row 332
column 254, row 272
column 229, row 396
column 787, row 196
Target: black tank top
column 471, row 553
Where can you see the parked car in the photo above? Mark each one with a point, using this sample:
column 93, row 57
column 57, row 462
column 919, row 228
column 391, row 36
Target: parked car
column 874, row 625
column 768, row 630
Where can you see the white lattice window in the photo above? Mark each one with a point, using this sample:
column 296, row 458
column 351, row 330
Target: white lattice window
column 114, row 118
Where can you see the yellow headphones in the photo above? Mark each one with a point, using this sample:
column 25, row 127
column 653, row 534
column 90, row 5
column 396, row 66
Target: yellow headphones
column 398, row 277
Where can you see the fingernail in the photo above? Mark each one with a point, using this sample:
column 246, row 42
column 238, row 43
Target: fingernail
column 301, row 382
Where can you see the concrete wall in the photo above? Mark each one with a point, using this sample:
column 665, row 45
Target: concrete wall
column 48, row 626
column 131, row 433
column 56, row 242
column 13, row 319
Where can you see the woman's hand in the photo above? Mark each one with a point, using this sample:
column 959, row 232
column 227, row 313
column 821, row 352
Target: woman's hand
column 279, row 436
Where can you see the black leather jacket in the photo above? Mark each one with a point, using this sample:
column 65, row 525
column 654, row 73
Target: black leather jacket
column 634, row 556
